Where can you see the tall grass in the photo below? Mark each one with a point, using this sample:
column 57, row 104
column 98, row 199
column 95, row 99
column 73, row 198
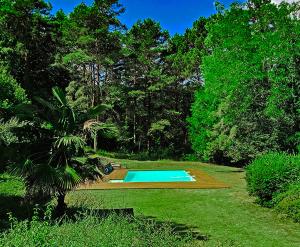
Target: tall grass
column 90, row 230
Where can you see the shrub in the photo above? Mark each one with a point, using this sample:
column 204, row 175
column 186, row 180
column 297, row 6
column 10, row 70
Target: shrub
column 90, row 230
column 288, row 203
column 271, row 174
column 142, row 156
column 190, row 157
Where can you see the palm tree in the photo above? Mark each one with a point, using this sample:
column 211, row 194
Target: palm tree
column 55, row 169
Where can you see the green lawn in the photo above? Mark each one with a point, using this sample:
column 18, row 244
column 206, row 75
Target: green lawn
column 224, row 217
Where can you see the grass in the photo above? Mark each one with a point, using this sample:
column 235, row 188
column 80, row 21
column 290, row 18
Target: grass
column 10, row 186
column 90, row 230
column 11, row 194
column 223, row 217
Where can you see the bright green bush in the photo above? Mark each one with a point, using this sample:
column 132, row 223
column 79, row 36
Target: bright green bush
column 11, row 93
column 288, row 203
column 271, row 174
column 91, row 231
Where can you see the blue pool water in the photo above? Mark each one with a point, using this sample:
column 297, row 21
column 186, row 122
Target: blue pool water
column 158, row 176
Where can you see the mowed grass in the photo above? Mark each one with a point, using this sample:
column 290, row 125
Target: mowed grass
column 224, row 217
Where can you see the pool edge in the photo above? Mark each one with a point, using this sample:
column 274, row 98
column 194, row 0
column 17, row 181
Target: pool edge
column 203, row 181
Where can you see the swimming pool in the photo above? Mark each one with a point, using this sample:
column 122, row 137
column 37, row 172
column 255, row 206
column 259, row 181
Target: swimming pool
column 157, row 176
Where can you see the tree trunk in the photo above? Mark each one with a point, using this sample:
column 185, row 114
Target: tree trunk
column 134, row 117
column 95, row 143
column 134, row 129
column 99, row 86
column 61, row 205
column 148, row 121
column 93, row 86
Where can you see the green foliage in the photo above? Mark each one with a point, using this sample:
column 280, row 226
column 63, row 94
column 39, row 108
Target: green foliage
column 7, row 134
column 27, row 31
column 12, row 100
column 88, row 52
column 52, row 171
column 243, row 62
column 190, row 157
column 11, row 93
column 112, row 231
column 272, row 174
column 77, row 57
column 249, row 104
column 144, row 81
column 67, row 141
column 159, row 126
column 288, row 203
column 152, row 102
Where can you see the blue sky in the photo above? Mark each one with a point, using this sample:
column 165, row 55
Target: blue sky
column 173, row 15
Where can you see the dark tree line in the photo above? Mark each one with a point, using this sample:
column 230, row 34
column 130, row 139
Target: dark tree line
column 133, row 72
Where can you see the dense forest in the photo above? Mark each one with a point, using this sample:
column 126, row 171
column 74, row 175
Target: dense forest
column 225, row 91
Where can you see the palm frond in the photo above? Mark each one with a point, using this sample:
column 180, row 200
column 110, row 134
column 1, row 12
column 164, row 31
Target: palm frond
column 21, row 169
column 45, row 176
column 68, row 179
column 70, row 141
column 46, row 179
column 46, row 104
column 80, row 160
column 25, row 111
column 59, row 94
column 105, row 129
column 97, row 110
column 39, row 178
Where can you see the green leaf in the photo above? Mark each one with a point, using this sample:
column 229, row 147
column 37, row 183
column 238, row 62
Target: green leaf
column 60, row 96
column 98, row 110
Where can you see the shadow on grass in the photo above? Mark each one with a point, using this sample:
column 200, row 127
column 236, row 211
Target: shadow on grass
column 180, row 229
column 14, row 205
column 74, row 212
column 22, row 211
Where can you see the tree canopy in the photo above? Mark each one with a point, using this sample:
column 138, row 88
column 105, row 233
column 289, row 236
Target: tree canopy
column 249, row 103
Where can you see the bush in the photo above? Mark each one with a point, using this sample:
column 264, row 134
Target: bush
column 142, row 156
column 190, row 157
column 271, row 174
column 90, row 230
column 288, row 203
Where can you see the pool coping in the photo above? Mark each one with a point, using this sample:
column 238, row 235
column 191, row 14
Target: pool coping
column 203, row 181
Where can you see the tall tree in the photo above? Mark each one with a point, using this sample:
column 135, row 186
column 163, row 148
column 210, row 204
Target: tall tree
column 250, row 101
column 90, row 48
column 28, row 45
